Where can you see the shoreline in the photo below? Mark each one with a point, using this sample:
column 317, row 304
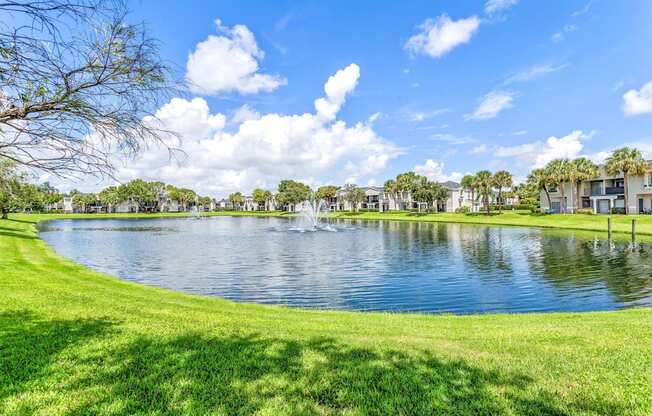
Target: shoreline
column 621, row 224
column 68, row 331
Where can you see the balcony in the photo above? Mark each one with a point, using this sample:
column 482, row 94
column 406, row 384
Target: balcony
column 614, row 190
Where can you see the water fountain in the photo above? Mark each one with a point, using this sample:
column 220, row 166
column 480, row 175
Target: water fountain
column 312, row 214
column 195, row 213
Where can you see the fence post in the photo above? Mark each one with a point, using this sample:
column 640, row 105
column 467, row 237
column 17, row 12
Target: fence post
column 633, row 230
column 609, row 227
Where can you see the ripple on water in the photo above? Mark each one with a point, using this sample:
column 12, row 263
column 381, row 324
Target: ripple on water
column 365, row 265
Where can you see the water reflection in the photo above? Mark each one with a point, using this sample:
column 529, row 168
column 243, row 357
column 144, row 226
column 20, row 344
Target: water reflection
column 397, row 266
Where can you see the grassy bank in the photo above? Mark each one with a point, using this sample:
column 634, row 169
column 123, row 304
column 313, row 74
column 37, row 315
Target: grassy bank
column 620, row 223
column 73, row 341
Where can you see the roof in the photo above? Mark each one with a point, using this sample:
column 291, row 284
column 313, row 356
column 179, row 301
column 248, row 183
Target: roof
column 379, row 189
column 450, row 185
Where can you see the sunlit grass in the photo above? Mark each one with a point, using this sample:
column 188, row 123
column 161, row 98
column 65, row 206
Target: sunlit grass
column 620, row 223
column 73, row 341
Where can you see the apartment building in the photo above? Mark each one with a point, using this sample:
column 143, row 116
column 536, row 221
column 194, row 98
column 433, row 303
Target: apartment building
column 603, row 194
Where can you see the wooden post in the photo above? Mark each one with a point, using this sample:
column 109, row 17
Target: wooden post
column 609, row 227
column 633, row 230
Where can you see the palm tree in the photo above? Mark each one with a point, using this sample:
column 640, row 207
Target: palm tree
column 541, row 180
column 581, row 169
column 468, row 183
column 629, row 162
column 268, row 200
column 502, row 179
column 236, row 199
column 559, row 171
column 110, row 196
column 484, row 184
column 391, row 188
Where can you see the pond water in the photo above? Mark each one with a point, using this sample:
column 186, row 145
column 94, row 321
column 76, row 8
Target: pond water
column 388, row 266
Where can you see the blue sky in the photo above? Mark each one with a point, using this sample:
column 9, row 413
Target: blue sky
column 558, row 79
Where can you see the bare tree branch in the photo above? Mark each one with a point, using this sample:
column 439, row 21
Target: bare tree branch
column 78, row 84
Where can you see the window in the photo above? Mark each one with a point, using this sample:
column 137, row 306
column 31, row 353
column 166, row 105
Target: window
column 596, row 188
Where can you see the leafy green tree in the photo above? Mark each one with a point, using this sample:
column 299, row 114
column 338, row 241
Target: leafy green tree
column 391, row 188
column 405, row 184
column 484, row 184
column 205, row 201
column 581, row 169
column 111, row 196
column 186, row 196
column 354, row 195
column 10, row 188
column 431, row 193
column 140, row 192
column 560, row 173
column 236, row 199
column 468, row 182
column 84, row 201
column 629, row 162
column 538, row 180
column 49, row 194
column 31, row 198
column 261, row 196
column 408, row 182
column 502, row 179
column 327, row 192
column 292, row 192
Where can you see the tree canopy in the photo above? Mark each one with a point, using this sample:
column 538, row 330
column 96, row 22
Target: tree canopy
column 79, row 83
column 292, row 192
column 354, row 195
column 327, row 192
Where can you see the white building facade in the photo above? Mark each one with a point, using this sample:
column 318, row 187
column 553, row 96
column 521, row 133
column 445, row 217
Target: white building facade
column 603, row 195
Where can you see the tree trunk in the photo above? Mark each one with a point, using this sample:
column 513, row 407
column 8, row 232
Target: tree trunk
column 545, row 189
column 563, row 198
column 626, row 194
column 5, row 215
column 577, row 195
column 500, row 200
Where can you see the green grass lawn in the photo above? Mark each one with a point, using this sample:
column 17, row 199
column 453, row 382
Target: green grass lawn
column 76, row 342
column 620, row 223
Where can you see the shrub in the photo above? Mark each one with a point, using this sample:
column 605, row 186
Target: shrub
column 586, row 211
column 463, row 210
column 517, row 207
column 618, row 210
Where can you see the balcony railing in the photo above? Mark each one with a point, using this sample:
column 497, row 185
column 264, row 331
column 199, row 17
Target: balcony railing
column 614, row 190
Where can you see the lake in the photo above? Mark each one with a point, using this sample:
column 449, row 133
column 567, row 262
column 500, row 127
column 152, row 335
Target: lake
column 380, row 266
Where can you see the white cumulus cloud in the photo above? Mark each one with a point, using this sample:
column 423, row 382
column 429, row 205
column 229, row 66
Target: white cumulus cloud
column 538, row 154
column 440, row 36
column 491, row 105
column 314, row 147
column 434, row 171
column 495, row 6
column 229, row 62
column 337, row 87
column 479, row 150
column 638, row 101
column 243, row 113
column 534, row 72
